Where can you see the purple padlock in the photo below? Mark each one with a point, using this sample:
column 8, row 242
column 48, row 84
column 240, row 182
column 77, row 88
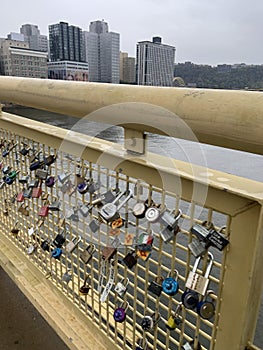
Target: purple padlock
column 120, row 313
column 83, row 187
column 50, row 181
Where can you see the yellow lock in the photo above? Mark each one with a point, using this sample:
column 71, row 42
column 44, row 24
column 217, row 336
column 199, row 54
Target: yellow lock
column 175, row 319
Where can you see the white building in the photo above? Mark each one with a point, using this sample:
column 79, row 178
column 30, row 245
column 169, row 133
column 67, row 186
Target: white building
column 68, row 70
column 102, row 49
column 154, row 63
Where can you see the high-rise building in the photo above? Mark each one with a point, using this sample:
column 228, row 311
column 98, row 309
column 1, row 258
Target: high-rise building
column 17, row 59
column 154, row 63
column 32, row 35
column 102, row 49
column 127, row 68
column 65, row 42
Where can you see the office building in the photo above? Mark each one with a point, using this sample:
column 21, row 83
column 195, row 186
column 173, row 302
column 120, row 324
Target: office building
column 32, row 35
column 65, row 42
column 127, row 68
column 17, row 59
column 68, row 70
column 154, row 63
column 101, row 51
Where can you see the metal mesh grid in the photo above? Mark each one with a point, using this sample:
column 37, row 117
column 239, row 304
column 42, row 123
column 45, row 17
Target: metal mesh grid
column 68, row 272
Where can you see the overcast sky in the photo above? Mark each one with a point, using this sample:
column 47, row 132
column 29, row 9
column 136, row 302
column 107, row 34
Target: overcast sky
column 203, row 31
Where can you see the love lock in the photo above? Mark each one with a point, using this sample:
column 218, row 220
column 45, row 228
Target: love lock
column 121, row 287
column 109, row 211
column 170, row 285
column 87, row 254
column 171, row 225
column 206, row 308
column 84, row 290
column 140, row 208
column 145, row 242
column 190, row 299
column 149, row 322
column 119, row 314
column 67, row 277
column 175, row 318
column 50, row 181
column 56, row 253
column 196, row 281
column 73, row 244
column 156, row 286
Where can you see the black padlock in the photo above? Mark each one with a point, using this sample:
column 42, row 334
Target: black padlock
column 59, row 240
column 156, row 286
column 45, row 246
column 130, row 260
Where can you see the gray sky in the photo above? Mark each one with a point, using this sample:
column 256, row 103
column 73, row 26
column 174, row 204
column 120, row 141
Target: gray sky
column 203, row 31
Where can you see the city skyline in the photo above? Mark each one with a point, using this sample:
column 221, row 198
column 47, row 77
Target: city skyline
column 203, row 32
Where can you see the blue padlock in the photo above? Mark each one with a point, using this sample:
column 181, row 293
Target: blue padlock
column 170, row 284
column 56, row 253
column 8, row 180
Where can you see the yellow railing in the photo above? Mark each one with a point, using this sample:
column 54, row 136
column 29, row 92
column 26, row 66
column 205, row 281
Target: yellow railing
column 202, row 195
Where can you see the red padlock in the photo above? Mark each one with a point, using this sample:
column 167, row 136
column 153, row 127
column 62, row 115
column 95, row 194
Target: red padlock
column 37, row 191
column 44, row 210
column 20, row 197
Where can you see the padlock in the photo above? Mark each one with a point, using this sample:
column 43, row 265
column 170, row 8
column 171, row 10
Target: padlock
column 44, row 210
column 153, row 214
column 206, row 308
column 59, row 240
column 8, row 149
column 190, row 346
column 85, row 210
column 23, row 179
column 55, row 205
column 121, row 287
column 145, row 242
column 201, row 231
column 87, row 254
column 190, row 299
column 2, row 184
column 109, row 211
column 175, row 319
column 170, row 284
column 67, row 277
column 45, row 245
column 83, row 187
column 41, row 173
column 198, row 248
column 25, row 150
column 37, row 191
column 50, row 159
column 117, row 223
column 130, row 260
column 84, row 289
column 64, row 177
column 171, row 225
column 36, row 165
column 6, row 169
column 143, row 255
column 119, row 314
column 28, row 192
column 12, row 175
column 106, row 197
column 141, row 344
column 73, row 244
column 20, row 197
column 15, row 229
column 56, row 253
column 149, row 322
column 140, row 208
column 33, row 183
column 108, row 252
column 50, row 181
column 93, row 186
column 31, row 249
column 196, row 281
column 217, row 239
column 155, row 286
column 23, row 209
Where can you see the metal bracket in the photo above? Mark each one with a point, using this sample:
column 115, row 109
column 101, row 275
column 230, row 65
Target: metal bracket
column 134, row 141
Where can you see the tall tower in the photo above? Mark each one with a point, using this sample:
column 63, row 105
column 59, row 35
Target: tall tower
column 65, row 42
column 154, row 63
column 32, row 35
column 102, row 50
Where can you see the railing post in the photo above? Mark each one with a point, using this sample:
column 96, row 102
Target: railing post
column 243, row 278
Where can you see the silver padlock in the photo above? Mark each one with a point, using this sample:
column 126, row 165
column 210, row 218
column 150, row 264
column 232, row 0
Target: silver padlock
column 197, row 282
column 85, row 209
column 190, row 346
column 73, row 244
column 121, row 287
column 54, row 206
column 171, row 225
column 153, row 214
column 67, row 277
column 197, row 248
column 109, row 211
column 64, row 177
column 41, row 174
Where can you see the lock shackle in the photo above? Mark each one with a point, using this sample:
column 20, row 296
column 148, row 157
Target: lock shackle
column 179, row 309
column 128, row 196
column 91, row 248
column 124, row 305
column 87, row 278
column 209, row 265
column 126, row 283
column 174, row 275
column 142, row 342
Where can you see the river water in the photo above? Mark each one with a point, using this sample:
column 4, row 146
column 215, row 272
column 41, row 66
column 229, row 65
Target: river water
column 234, row 162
